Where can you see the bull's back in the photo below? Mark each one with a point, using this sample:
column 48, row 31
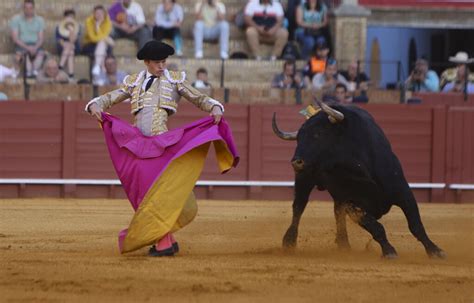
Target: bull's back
column 378, row 156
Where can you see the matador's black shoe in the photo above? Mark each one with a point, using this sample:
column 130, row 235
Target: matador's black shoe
column 176, row 247
column 169, row 252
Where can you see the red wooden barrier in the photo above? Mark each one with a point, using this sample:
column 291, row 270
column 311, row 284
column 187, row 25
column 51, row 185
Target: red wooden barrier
column 58, row 140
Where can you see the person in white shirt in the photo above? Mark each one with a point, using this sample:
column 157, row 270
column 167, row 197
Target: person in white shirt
column 264, row 19
column 327, row 80
column 129, row 22
column 211, row 25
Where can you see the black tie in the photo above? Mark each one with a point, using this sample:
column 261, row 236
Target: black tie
column 150, row 81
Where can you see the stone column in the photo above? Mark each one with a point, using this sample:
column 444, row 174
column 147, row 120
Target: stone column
column 349, row 30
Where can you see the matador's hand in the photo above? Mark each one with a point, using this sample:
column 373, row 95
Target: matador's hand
column 216, row 113
column 96, row 111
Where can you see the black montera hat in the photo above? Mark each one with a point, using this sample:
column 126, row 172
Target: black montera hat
column 155, row 50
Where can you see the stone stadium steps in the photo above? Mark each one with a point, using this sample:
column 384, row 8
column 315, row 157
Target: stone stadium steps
column 238, row 73
column 236, row 95
column 124, row 47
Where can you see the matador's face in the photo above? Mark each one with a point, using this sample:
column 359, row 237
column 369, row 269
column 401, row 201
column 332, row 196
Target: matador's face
column 156, row 67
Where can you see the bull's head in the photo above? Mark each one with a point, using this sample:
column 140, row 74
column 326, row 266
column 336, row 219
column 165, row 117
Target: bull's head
column 334, row 116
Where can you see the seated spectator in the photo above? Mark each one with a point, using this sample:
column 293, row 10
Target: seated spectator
column 51, row 73
column 449, row 75
column 7, row 73
column 3, row 96
column 328, row 80
column 458, row 85
column 339, row 95
column 264, row 19
column 27, row 31
column 358, row 80
column 111, row 75
column 67, row 40
column 201, row 79
column 211, row 25
column 168, row 20
column 289, row 78
column 129, row 22
column 172, row 67
column 422, row 79
column 317, row 62
column 311, row 17
column 97, row 41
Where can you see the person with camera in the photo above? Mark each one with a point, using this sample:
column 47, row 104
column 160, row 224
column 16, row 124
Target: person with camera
column 422, row 79
column 289, row 78
column 264, row 19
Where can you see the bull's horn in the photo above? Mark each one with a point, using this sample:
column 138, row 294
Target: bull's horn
column 279, row 133
column 333, row 115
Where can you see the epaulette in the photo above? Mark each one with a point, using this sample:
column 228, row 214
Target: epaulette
column 175, row 77
column 133, row 79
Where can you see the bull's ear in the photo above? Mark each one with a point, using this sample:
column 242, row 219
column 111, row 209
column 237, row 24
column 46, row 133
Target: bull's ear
column 333, row 115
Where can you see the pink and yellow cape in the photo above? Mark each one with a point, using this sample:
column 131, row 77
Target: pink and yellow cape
column 158, row 173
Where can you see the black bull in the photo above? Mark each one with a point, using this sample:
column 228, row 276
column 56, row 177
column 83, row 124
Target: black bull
column 342, row 150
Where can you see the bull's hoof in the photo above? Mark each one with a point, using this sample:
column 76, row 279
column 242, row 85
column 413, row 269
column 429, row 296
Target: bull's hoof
column 289, row 240
column 390, row 256
column 389, row 252
column 343, row 244
column 437, row 253
column 289, row 245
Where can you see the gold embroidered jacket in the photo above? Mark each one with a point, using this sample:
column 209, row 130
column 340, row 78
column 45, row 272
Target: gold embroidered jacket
column 151, row 108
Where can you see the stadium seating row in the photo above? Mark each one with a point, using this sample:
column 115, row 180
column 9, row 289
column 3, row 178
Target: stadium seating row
column 236, row 95
column 237, row 73
column 52, row 13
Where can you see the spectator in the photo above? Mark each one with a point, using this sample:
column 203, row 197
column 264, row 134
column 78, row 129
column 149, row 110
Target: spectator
column 458, row 85
column 111, row 75
column 340, row 95
column 3, row 96
column 449, row 75
column 67, row 40
column 311, row 17
column 172, row 66
column 317, row 63
column 264, row 19
column 422, row 79
column 289, row 78
column 201, row 79
column 168, row 20
column 7, row 73
column 328, row 80
column 97, row 41
column 129, row 22
column 51, row 73
column 210, row 25
column 27, row 31
column 358, row 82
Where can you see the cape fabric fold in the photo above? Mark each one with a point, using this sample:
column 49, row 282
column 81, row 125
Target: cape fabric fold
column 158, row 173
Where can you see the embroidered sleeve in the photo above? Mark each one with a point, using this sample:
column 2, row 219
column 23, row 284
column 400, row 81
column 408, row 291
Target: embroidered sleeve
column 109, row 99
column 199, row 99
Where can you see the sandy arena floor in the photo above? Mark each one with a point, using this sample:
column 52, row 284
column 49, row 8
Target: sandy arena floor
column 65, row 250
